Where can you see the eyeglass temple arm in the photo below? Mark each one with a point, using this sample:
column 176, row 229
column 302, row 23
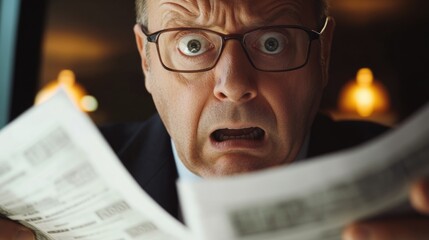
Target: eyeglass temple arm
column 315, row 34
column 325, row 25
column 150, row 37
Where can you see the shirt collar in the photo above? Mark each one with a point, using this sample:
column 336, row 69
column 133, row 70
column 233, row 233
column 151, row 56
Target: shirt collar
column 183, row 172
column 303, row 152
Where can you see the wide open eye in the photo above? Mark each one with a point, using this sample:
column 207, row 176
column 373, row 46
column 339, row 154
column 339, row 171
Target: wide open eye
column 271, row 42
column 193, row 44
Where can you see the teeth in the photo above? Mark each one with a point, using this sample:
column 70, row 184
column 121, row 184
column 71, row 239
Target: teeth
column 254, row 134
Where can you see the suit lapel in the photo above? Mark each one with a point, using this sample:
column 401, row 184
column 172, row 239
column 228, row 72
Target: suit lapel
column 149, row 159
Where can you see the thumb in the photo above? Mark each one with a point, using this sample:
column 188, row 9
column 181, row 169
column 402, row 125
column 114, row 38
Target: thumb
column 10, row 230
column 419, row 196
column 389, row 229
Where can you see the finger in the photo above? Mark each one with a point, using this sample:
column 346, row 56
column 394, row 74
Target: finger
column 10, row 230
column 392, row 229
column 419, row 195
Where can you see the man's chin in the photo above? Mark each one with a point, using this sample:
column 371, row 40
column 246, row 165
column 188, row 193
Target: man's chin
column 233, row 164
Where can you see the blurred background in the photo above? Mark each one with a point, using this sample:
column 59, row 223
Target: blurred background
column 379, row 63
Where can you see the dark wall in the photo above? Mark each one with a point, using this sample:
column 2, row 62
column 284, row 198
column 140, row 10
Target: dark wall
column 28, row 55
column 95, row 39
column 395, row 47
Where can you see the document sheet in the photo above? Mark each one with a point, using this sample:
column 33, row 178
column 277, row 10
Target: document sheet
column 60, row 178
column 315, row 199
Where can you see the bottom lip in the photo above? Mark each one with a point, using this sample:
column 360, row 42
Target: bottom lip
column 237, row 144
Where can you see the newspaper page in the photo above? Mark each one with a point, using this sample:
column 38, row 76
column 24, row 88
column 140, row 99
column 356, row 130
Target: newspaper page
column 314, row 199
column 60, row 178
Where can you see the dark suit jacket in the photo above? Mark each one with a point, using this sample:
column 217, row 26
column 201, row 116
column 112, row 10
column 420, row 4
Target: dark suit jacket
column 145, row 150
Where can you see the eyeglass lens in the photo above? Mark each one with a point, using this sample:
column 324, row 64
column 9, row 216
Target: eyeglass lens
column 269, row 49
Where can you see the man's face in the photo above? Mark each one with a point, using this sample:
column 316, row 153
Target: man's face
column 234, row 118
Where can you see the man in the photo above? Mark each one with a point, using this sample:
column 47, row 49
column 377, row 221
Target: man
column 237, row 85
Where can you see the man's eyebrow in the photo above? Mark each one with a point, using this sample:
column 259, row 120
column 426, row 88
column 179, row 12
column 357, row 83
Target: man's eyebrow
column 290, row 11
column 174, row 20
column 281, row 14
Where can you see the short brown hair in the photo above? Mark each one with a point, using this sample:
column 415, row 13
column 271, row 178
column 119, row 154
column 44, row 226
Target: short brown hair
column 141, row 11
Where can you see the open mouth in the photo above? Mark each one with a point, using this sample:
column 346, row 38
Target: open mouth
column 252, row 134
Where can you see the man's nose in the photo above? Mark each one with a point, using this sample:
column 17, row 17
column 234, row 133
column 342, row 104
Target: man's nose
column 235, row 76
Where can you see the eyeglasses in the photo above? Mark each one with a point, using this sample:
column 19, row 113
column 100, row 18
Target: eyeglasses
column 270, row 48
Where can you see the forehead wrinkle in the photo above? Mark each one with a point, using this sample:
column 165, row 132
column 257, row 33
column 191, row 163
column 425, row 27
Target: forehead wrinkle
column 226, row 15
column 178, row 11
column 208, row 9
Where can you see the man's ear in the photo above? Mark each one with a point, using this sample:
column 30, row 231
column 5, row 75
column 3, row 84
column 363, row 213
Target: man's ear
column 326, row 43
column 141, row 47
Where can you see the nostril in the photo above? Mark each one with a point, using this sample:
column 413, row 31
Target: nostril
column 235, row 97
column 247, row 96
column 237, row 90
column 221, row 95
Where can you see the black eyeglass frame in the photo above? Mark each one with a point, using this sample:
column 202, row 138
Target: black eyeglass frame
column 312, row 35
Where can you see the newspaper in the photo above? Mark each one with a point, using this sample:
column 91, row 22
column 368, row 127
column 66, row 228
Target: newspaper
column 314, row 199
column 60, row 178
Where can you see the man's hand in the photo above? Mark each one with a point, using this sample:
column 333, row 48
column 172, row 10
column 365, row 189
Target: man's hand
column 10, row 230
column 399, row 228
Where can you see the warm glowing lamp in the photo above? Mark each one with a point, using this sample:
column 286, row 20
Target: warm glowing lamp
column 364, row 96
column 89, row 103
column 67, row 80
